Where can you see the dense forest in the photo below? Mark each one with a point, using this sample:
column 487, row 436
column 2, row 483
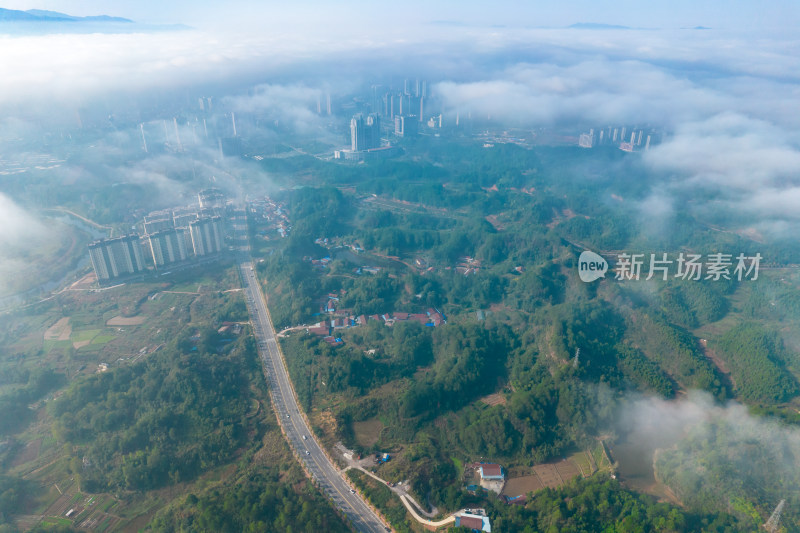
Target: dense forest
column 268, row 499
column 12, row 490
column 757, row 361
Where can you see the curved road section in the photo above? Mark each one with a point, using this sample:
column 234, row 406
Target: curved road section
column 297, row 432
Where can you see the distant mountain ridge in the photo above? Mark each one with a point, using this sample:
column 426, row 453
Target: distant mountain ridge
column 596, row 26
column 41, row 15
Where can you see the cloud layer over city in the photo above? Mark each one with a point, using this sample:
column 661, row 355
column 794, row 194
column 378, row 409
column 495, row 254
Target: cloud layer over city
column 725, row 99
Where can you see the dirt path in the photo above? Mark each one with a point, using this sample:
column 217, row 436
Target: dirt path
column 712, row 356
column 418, row 518
column 411, row 504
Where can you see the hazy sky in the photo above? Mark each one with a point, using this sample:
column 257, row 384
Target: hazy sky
column 205, row 14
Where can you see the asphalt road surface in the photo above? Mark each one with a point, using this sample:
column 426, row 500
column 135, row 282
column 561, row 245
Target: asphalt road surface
column 328, row 477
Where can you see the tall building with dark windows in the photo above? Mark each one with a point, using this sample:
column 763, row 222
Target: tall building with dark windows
column 365, row 133
column 373, row 131
column 405, row 126
column 168, row 246
column 207, row 234
column 113, row 258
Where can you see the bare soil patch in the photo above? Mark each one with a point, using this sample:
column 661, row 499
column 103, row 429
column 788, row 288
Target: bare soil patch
column 548, row 475
column 85, row 282
column 551, row 475
column 567, row 470
column 522, row 485
column 719, row 363
column 492, row 219
column 29, row 453
column 494, row 399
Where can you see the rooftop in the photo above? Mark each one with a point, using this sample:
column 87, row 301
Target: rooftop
column 491, row 470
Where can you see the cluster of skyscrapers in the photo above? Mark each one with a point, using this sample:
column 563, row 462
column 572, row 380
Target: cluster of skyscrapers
column 114, row 258
column 170, row 237
column 620, row 137
column 408, row 101
column 405, row 107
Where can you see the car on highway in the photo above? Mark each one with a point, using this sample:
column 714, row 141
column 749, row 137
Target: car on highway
column 304, row 437
column 308, row 452
column 353, row 491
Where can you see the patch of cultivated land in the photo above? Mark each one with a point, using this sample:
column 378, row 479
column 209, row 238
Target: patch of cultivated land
column 60, row 331
column 548, row 475
column 551, row 475
column 567, row 470
column 581, row 460
column 126, row 321
column 522, row 485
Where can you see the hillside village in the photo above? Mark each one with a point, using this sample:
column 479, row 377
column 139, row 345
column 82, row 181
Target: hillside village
column 342, row 319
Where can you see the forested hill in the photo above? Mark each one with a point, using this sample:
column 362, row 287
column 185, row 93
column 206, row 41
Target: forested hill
column 532, row 362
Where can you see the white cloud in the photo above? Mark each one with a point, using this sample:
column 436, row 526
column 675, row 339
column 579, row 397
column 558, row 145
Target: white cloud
column 731, row 151
column 597, row 90
column 293, row 104
column 18, row 225
column 652, row 423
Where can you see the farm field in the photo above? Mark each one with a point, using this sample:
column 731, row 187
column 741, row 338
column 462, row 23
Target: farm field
column 548, row 475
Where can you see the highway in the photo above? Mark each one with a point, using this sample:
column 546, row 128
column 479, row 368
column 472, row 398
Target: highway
column 297, row 433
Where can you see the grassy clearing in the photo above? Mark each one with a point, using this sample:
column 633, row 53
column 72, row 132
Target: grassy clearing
column 56, row 345
column 600, row 458
column 108, row 504
column 102, row 339
column 84, row 335
column 368, row 432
